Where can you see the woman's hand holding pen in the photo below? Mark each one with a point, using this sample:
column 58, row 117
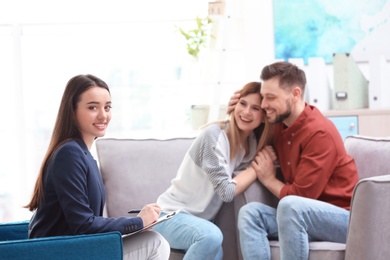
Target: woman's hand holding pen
column 149, row 213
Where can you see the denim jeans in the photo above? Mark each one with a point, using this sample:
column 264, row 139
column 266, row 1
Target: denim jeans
column 199, row 238
column 295, row 222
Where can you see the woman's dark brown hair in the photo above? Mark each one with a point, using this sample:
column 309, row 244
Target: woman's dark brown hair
column 65, row 127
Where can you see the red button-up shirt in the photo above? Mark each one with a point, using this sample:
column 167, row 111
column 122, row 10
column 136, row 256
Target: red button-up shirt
column 314, row 161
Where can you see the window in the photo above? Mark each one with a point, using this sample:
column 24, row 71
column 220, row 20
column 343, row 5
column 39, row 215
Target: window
column 141, row 60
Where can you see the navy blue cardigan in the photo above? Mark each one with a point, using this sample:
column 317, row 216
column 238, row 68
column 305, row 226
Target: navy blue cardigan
column 74, row 197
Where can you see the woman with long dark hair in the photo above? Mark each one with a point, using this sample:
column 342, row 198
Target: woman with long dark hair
column 69, row 194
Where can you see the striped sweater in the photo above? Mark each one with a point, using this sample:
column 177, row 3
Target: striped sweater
column 204, row 179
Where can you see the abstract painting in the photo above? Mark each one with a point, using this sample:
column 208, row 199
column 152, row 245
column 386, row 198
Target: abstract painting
column 320, row 28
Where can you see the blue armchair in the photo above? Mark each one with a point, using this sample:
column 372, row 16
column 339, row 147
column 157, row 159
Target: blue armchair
column 14, row 244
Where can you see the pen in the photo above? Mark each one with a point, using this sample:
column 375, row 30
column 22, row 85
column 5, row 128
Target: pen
column 135, row 211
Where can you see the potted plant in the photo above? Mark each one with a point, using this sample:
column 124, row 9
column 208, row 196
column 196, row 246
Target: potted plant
column 196, row 39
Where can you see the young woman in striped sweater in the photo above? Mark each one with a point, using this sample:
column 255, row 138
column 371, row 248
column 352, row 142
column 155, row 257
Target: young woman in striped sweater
column 205, row 178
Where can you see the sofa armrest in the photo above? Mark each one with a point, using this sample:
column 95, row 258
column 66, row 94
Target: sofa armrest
column 91, row 246
column 369, row 231
column 257, row 192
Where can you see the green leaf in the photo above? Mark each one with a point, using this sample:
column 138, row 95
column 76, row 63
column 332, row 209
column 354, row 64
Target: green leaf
column 197, row 37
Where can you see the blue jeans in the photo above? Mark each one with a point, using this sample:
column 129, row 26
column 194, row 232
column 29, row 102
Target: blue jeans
column 295, row 222
column 199, row 238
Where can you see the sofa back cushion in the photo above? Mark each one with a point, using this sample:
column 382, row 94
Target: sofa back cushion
column 372, row 154
column 136, row 171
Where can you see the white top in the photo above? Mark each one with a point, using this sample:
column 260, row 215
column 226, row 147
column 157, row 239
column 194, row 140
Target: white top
column 204, row 179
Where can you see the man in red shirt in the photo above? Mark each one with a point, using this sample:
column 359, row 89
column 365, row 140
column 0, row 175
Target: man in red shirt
column 319, row 175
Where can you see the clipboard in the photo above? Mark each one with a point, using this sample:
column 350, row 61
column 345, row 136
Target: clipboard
column 159, row 220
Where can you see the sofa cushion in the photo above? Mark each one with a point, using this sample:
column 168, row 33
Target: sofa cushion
column 136, row 171
column 122, row 165
column 318, row 250
column 371, row 155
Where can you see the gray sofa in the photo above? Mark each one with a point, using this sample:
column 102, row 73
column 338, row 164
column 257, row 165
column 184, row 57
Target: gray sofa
column 136, row 171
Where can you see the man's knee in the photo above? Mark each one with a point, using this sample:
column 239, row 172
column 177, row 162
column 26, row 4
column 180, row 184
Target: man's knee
column 245, row 214
column 289, row 208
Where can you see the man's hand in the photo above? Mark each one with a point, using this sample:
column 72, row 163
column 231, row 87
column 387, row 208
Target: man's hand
column 150, row 213
column 264, row 166
column 233, row 101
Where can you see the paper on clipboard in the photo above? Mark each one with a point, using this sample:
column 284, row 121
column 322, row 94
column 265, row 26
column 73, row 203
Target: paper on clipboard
column 159, row 220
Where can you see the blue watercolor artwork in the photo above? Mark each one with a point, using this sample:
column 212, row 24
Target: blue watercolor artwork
column 320, row 28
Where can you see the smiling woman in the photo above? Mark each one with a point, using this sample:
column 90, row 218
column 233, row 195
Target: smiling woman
column 204, row 180
column 69, row 194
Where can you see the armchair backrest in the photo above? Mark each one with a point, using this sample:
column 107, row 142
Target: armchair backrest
column 136, row 171
column 14, row 230
column 372, row 155
column 368, row 231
